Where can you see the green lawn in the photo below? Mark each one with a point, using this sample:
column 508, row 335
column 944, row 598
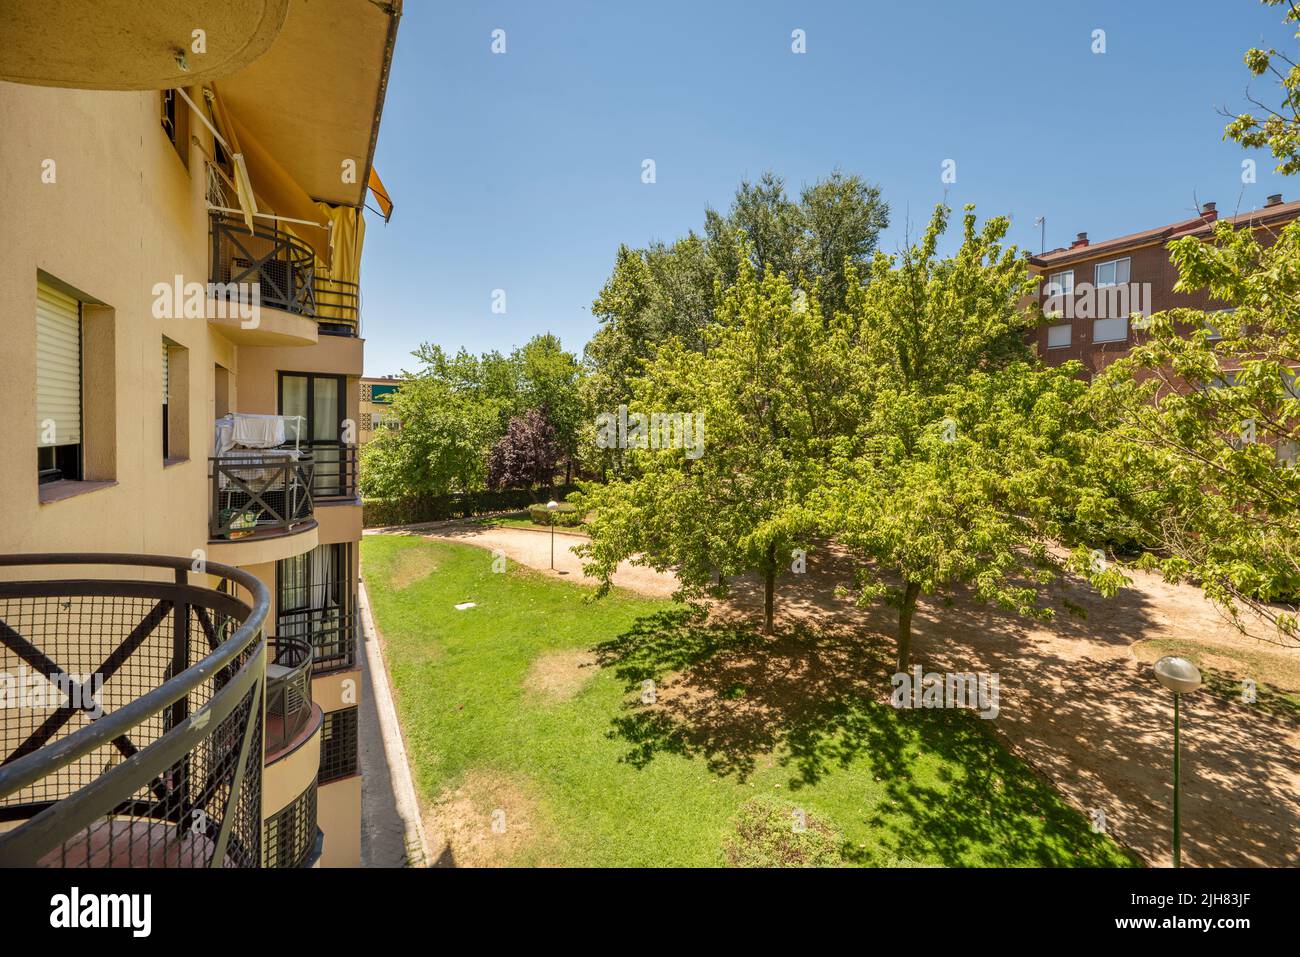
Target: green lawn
column 598, row 778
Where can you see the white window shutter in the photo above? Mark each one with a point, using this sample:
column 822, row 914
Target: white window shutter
column 58, row 366
column 165, row 371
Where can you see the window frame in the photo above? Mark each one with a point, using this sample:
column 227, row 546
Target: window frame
column 66, row 463
column 1052, row 283
column 1069, row 330
column 1114, row 263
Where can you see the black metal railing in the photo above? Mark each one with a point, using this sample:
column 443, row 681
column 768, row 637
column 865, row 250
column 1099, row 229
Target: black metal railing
column 264, row 493
column 136, row 741
column 335, row 473
column 332, row 632
column 293, row 838
column 338, row 306
column 284, row 270
column 288, row 690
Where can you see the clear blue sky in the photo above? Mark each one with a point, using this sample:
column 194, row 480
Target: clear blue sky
column 522, row 171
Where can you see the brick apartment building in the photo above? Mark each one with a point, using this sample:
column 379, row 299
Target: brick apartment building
column 1082, row 284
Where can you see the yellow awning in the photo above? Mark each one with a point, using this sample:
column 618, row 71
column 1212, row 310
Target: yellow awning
column 268, row 181
column 380, row 194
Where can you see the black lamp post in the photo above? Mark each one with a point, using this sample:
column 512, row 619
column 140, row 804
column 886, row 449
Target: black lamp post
column 1180, row 676
column 552, row 506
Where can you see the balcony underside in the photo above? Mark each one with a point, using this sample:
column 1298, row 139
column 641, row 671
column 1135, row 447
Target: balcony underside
column 129, row 45
column 272, row 327
column 265, row 546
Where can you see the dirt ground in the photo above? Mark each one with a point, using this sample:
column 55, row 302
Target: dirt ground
column 1076, row 703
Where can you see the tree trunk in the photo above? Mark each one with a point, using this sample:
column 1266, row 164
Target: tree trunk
column 769, row 588
column 911, row 591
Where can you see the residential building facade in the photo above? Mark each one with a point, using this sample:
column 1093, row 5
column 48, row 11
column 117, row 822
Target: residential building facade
column 180, row 277
column 1092, row 288
column 376, row 402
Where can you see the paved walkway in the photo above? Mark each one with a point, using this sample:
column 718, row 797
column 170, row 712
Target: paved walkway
column 391, row 831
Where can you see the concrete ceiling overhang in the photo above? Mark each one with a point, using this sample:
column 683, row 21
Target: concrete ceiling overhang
column 314, row 100
column 133, row 45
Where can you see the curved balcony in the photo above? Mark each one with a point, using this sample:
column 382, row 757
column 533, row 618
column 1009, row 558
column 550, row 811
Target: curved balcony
column 141, row 746
column 283, row 270
column 259, row 494
column 288, row 693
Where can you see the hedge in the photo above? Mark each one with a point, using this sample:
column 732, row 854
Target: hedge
column 437, row 508
column 566, row 516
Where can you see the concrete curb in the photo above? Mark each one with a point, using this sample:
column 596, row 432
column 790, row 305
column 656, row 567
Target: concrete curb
column 399, row 768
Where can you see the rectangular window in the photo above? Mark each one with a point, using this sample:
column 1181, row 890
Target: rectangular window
column 1110, row 330
column 175, row 120
column 338, row 745
column 164, row 400
column 1060, row 283
column 1058, row 337
column 1113, row 273
column 175, row 402
column 58, row 384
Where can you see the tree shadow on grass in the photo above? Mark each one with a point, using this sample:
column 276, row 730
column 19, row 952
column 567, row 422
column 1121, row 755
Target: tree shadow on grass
column 815, row 701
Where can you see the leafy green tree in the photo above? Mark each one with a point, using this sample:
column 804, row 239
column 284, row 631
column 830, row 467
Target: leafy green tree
column 771, row 393
column 672, row 291
column 440, row 447
column 967, row 462
column 455, row 408
column 551, row 379
column 1207, row 423
column 1275, row 126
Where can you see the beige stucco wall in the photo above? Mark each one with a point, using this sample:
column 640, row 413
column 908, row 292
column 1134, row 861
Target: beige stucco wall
column 338, row 812
column 123, row 213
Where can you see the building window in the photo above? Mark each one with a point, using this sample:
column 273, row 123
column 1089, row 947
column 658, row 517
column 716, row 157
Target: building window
column 1110, row 330
column 1212, row 329
column 1060, row 283
column 58, row 384
column 314, row 601
column 1058, row 337
column 1113, row 273
column 175, row 401
column 338, row 745
column 175, row 120
column 321, row 401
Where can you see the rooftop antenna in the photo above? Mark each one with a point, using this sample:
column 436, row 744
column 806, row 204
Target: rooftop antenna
column 1041, row 223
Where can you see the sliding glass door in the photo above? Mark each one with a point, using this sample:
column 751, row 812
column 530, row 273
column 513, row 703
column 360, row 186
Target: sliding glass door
column 321, row 401
column 315, row 602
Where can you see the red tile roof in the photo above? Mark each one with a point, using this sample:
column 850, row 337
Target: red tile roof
column 1199, row 225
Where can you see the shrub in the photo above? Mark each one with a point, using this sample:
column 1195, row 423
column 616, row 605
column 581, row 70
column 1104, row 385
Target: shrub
column 437, row 508
column 766, row 836
column 566, row 516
